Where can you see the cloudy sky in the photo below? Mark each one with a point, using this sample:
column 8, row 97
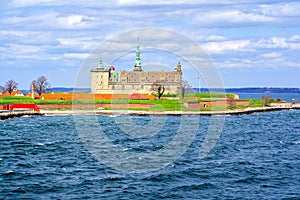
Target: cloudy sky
column 252, row 43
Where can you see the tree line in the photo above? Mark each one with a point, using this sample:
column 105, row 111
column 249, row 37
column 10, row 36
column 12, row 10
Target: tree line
column 41, row 85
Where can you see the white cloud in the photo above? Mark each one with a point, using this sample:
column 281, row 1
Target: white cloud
column 75, row 21
column 225, row 46
column 210, row 38
column 70, row 20
column 230, row 16
column 273, row 42
column 150, row 2
column 294, row 39
column 80, row 56
column 216, row 38
column 280, row 10
column 24, row 49
column 54, row 20
column 261, row 62
column 79, row 3
column 79, row 43
column 236, row 63
column 271, row 55
column 21, row 3
column 14, row 33
column 294, row 46
column 175, row 2
column 35, row 3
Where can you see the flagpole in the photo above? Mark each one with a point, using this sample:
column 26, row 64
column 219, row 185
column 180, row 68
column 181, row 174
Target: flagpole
column 199, row 84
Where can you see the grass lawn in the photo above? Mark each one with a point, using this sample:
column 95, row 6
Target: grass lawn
column 157, row 105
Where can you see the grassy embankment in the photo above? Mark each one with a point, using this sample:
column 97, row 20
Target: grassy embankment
column 167, row 103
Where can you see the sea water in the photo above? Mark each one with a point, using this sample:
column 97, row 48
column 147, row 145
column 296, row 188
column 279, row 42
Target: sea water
column 255, row 157
column 288, row 97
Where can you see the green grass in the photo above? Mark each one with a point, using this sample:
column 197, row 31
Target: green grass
column 256, row 102
column 13, row 99
column 22, row 99
column 38, row 101
column 175, row 105
column 157, row 104
column 212, row 95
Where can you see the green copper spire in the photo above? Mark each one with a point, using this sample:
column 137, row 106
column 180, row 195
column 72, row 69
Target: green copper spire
column 100, row 64
column 138, row 63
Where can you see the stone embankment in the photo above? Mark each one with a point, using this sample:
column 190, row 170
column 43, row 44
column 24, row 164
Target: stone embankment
column 13, row 114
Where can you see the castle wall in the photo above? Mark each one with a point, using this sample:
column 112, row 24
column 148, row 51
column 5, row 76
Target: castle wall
column 127, row 82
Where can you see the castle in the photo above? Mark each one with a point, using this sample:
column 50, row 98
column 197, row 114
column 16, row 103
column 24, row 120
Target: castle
column 110, row 81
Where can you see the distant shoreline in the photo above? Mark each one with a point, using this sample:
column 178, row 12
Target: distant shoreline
column 146, row 113
column 262, row 89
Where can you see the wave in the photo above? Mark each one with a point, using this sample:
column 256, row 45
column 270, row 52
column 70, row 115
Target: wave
column 10, row 172
column 39, row 144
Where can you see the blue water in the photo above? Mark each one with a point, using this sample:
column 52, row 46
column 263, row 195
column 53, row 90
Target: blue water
column 256, row 157
column 288, row 97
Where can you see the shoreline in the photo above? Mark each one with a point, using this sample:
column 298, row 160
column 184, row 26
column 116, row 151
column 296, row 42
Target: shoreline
column 12, row 114
column 174, row 113
column 249, row 110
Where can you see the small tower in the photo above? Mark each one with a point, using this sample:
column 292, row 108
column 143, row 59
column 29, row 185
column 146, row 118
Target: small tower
column 32, row 90
column 138, row 63
column 100, row 64
column 99, row 78
column 179, row 67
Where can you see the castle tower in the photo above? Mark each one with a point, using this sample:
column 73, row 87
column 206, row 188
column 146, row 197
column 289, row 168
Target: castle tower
column 138, row 63
column 100, row 64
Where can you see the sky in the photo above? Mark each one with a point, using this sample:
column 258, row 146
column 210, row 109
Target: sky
column 251, row 43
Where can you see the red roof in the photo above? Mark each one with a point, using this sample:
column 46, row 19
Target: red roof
column 14, row 93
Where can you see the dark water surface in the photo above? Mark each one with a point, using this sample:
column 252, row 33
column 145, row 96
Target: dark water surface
column 256, row 157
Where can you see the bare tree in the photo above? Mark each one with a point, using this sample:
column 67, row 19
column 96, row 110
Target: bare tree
column 266, row 100
column 10, row 86
column 231, row 101
column 2, row 89
column 160, row 90
column 41, row 85
column 188, row 89
column 158, row 87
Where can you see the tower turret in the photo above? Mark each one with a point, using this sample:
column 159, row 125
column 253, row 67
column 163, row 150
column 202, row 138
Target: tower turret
column 179, row 67
column 100, row 64
column 138, row 63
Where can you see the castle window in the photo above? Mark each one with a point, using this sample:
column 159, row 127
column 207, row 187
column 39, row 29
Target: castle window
column 113, row 87
column 123, row 87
